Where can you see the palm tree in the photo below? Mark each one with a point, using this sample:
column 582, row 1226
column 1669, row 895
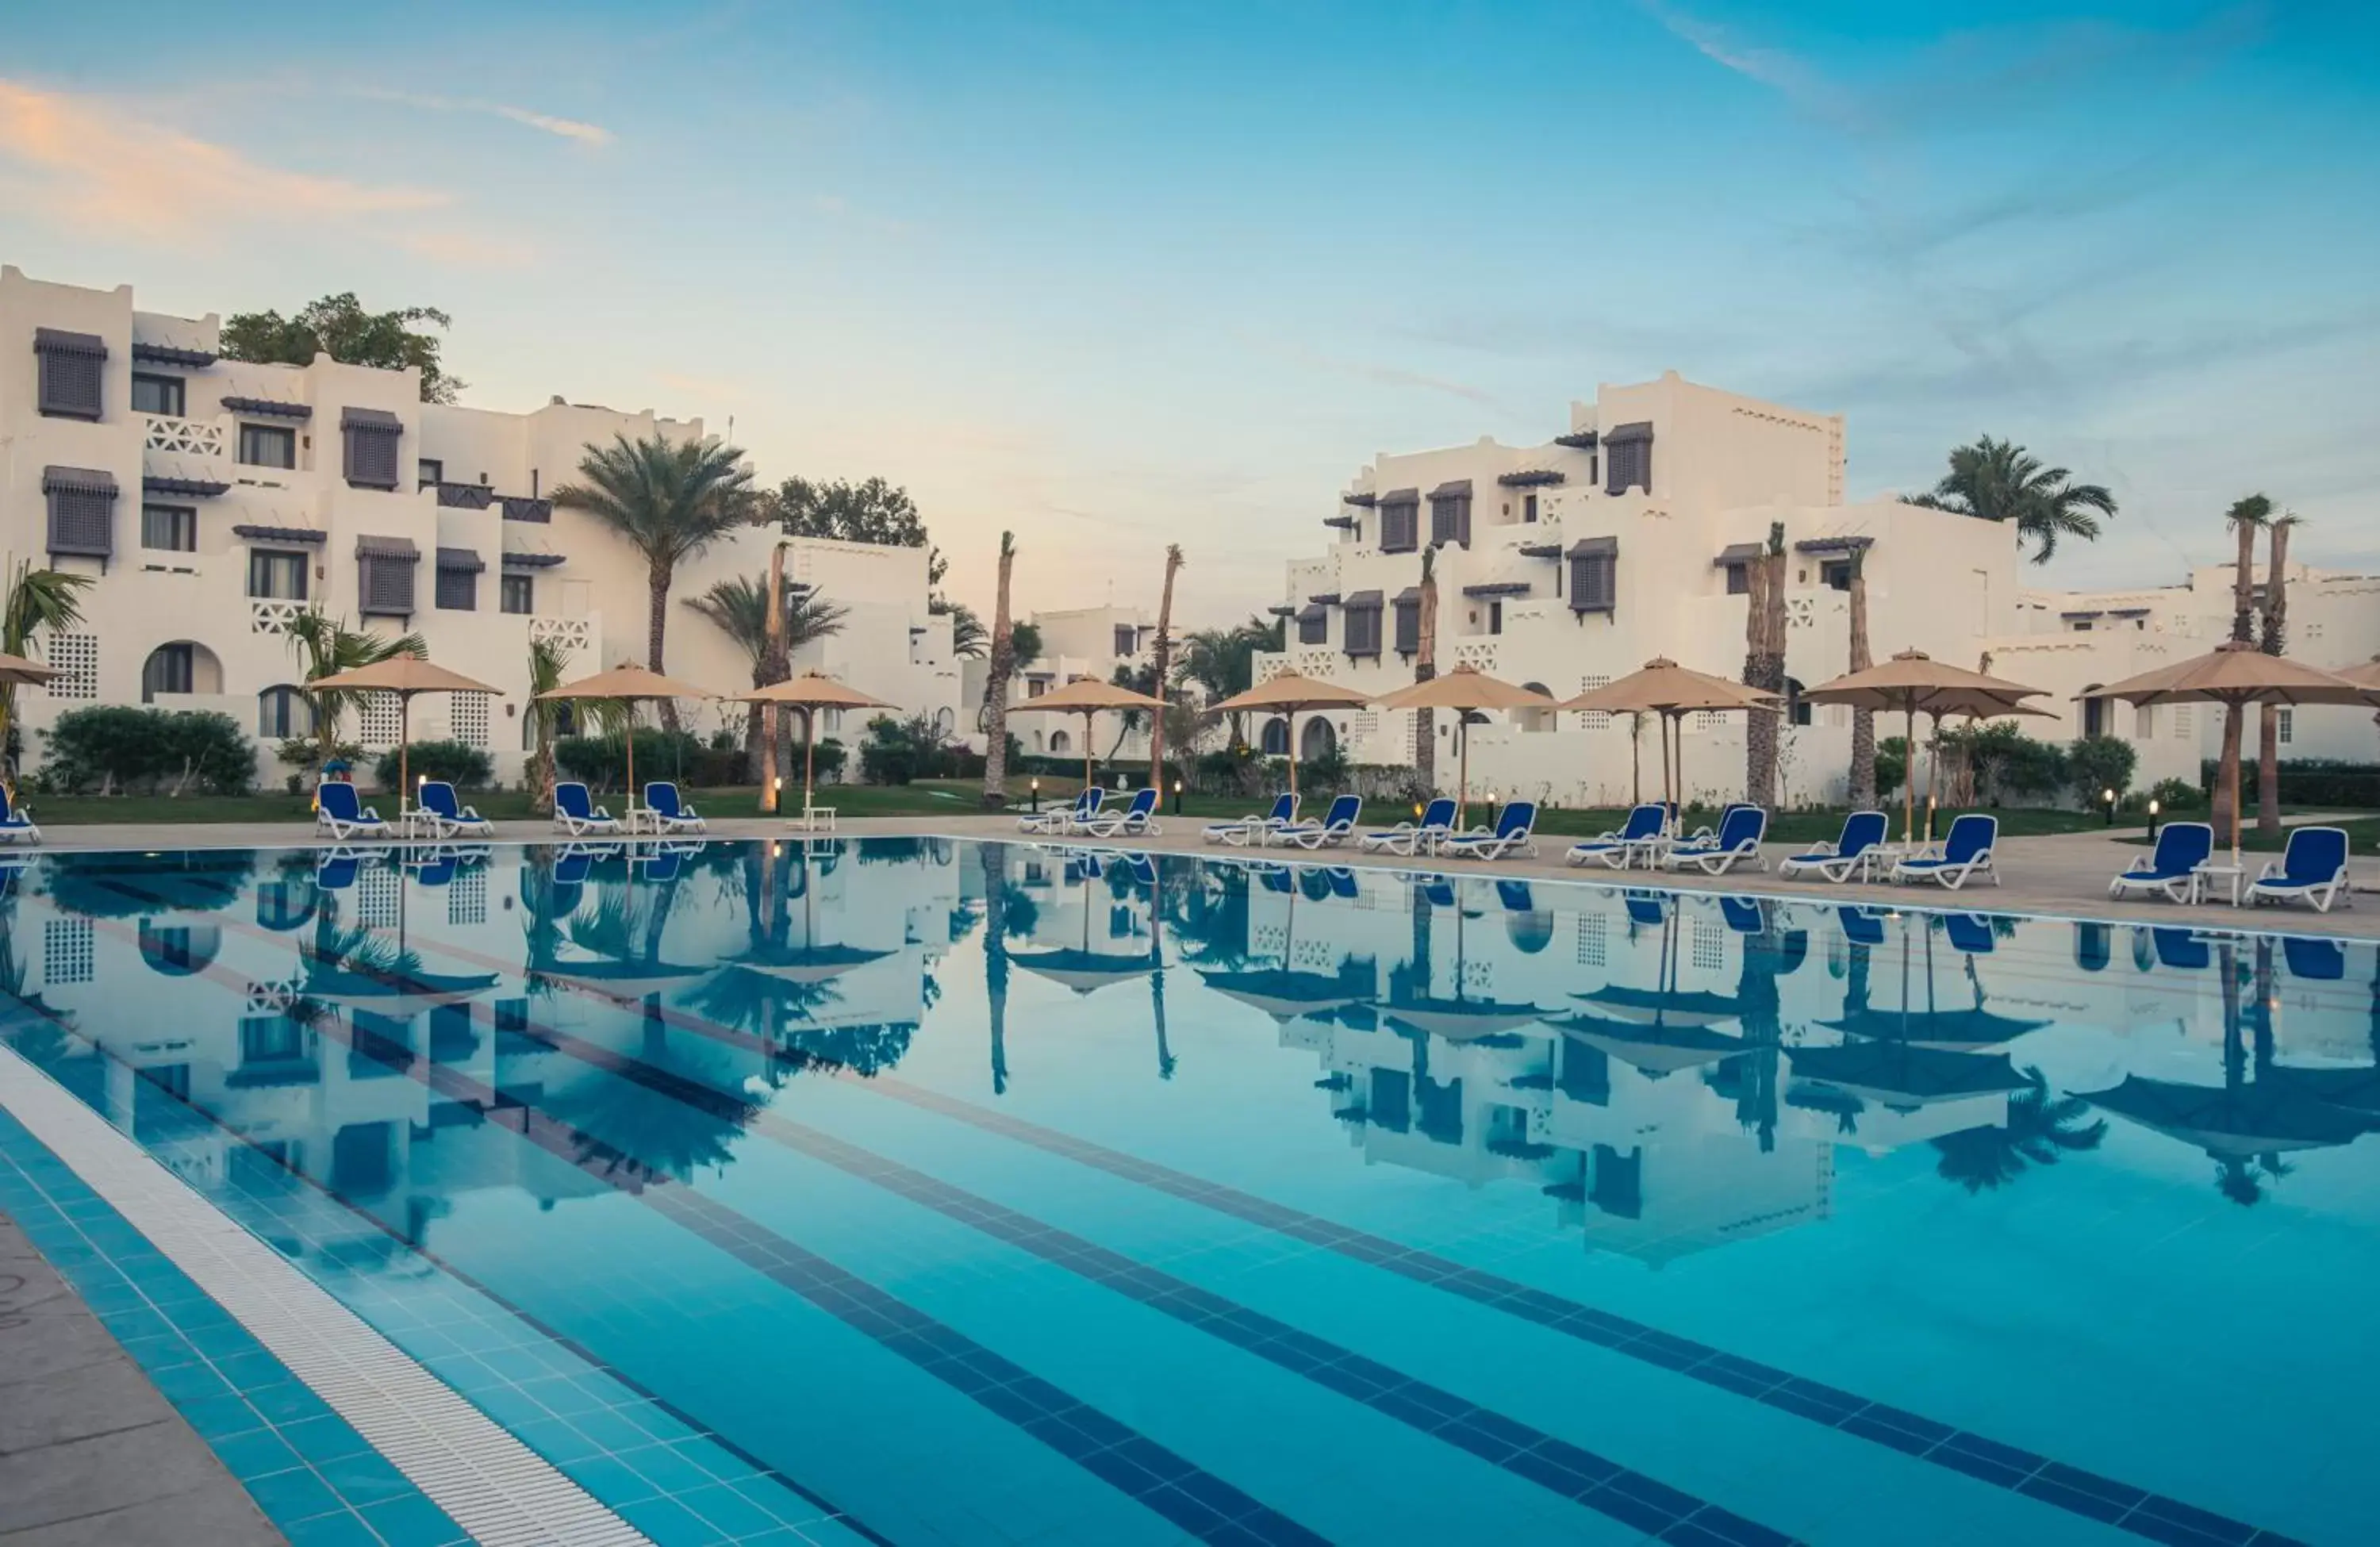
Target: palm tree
column 740, row 607
column 328, row 646
column 40, row 601
column 2039, row 1130
column 670, row 502
column 2246, row 517
column 2000, row 480
column 1163, row 659
column 1863, row 720
column 1003, row 667
column 968, row 636
column 2276, row 622
column 1143, row 679
column 1425, row 670
column 1764, row 666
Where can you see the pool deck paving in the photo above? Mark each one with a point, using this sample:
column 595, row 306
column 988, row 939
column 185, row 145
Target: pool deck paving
column 2064, row 875
column 92, row 1454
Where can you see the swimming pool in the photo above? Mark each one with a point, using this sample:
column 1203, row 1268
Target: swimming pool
column 922, row 1190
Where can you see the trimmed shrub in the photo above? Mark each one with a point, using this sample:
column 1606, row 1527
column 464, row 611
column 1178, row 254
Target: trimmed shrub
column 2100, row 762
column 2175, row 795
column 117, row 749
column 601, row 761
column 464, row 766
column 2316, row 782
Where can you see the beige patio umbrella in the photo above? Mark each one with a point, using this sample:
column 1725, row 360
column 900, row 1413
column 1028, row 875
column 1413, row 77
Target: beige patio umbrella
column 2235, row 675
column 1670, row 691
column 404, row 676
column 630, row 684
column 1087, row 698
column 1291, row 695
column 1904, row 684
column 811, row 692
column 1465, row 688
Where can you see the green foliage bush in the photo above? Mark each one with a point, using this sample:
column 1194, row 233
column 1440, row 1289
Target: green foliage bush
column 118, row 749
column 2176, row 795
column 2100, row 762
column 601, row 762
column 2314, row 782
column 464, row 766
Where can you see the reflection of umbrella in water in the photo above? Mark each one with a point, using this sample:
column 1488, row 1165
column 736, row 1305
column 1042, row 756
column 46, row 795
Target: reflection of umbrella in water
column 620, row 980
column 1906, row 1076
column 1641, row 1007
column 1078, row 967
column 1461, row 1019
column 398, row 993
column 805, row 964
column 1284, row 992
column 1962, row 1030
column 1655, row 1050
column 2262, row 1117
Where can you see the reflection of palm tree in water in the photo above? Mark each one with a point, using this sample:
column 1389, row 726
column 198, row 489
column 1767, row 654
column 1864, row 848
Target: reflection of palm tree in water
column 995, row 957
column 2039, row 1129
column 1760, row 1016
column 1211, row 918
column 2242, row 1179
column 1156, row 966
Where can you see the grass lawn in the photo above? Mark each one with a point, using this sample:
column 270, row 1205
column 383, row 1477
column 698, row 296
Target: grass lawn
column 2363, row 835
column 497, row 805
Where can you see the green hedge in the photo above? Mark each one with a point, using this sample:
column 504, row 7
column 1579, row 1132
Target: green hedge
column 460, row 764
column 118, row 749
column 601, row 760
column 2319, row 782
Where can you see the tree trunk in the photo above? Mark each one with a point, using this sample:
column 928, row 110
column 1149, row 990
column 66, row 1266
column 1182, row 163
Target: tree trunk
column 761, row 740
column 1764, row 666
column 657, row 586
column 1163, row 659
column 754, row 764
column 2243, row 623
column 1862, row 791
column 2276, row 622
column 1425, row 670
column 997, row 665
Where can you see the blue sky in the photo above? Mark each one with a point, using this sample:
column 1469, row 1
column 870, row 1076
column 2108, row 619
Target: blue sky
column 1113, row 276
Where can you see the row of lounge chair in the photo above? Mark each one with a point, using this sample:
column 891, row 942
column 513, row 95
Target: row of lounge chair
column 2312, row 869
column 1513, row 832
column 340, row 812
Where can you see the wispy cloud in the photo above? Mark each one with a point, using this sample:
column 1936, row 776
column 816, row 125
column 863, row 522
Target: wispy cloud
column 594, row 136
column 1787, row 74
column 471, row 249
column 91, row 165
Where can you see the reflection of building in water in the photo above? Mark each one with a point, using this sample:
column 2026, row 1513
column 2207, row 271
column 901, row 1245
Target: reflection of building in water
column 251, row 1022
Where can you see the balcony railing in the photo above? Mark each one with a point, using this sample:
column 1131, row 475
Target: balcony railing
column 188, row 437
column 267, row 615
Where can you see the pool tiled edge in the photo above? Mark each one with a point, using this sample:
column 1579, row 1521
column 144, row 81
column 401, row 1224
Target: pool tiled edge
column 340, row 1437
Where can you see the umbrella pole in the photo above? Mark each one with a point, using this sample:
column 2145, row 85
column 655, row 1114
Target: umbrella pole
column 1636, row 760
column 405, row 752
column 1681, row 762
column 1933, row 775
column 1463, row 776
column 1292, row 751
column 809, row 756
column 1909, row 774
column 2238, row 743
column 1087, row 715
column 629, row 804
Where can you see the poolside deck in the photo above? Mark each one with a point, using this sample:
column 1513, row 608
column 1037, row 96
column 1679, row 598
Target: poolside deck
column 2062, row 876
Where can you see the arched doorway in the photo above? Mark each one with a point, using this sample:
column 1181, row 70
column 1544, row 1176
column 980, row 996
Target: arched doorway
column 1797, row 708
column 1316, row 740
column 179, row 950
column 2094, row 713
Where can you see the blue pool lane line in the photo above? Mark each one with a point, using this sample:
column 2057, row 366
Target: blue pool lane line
column 1200, row 1503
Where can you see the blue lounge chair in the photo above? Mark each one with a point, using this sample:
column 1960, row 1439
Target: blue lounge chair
column 1516, row 897
column 1862, row 926
column 1643, row 826
column 1966, row 853
column 1738, row 839
column 2313, row 868
column 668, row 813
column 1514, row 832
column 1969, row 933
column 2315, row 961
column 1335, row 828
column 1437, row 823
column 449, row 815
column 574, row 812
column 335, row 870
column 1862, row 832
column 1137, row 820
column 1743, row 915
column 340, row 810
column 1254, row 828
column 17, row 821
column 1342, row 883
column 1062, row 818
column 1649, row 908
column 2181, row 949
column 2172, row 867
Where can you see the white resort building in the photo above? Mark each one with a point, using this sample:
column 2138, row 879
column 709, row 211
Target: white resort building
column 1567, row 564
column 1077, row 643
column 213, row 500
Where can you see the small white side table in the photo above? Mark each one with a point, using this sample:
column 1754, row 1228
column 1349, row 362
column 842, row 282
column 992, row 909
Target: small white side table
column 2232, row 874
column 817, row 819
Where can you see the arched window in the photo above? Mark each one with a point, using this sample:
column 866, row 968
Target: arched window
column 284, row 712
column 1316, row 740
column 180, row 667
column 178, row 950
column 945, row 721
column 1797, row 708
column 1060, row 741
column 1536, row 719
column 1274, row 737
column 2094, row 944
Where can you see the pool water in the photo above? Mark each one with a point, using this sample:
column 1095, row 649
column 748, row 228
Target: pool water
column 921, row 1190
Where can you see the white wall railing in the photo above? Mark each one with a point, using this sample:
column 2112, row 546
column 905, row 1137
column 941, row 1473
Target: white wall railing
column 269, row 616
column 188, row 437
column 574, row 635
